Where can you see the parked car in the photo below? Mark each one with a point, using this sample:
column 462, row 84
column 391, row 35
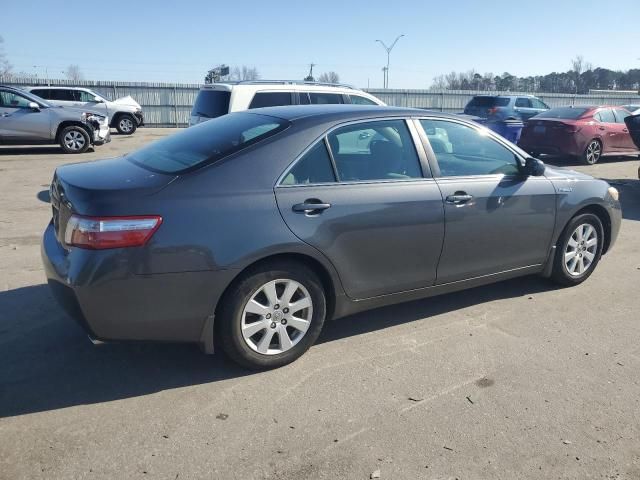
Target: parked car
column 29, row 120
column 218, row 99
column 498, row 108
column 586, row 132
column 125, row 113
column 260, row 225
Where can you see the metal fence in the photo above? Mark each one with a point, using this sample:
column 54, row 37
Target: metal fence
column 169, row 104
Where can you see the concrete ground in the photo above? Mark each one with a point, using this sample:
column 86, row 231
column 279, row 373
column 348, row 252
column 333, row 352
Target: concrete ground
column 515, row 380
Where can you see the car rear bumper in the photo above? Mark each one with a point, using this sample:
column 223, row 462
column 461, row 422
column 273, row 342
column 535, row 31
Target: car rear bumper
column 110, row 303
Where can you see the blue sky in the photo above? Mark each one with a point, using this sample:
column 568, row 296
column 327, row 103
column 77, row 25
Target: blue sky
column 147, row 41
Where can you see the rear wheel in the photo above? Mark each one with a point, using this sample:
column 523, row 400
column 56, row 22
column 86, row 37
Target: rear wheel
column 74, row 139
column 272, row 315
column 126, row 124
column 578, row 250
column 592, row 153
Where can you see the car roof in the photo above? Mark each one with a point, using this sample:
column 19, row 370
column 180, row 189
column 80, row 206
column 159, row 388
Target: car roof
column 54, row 86
column 344, row 112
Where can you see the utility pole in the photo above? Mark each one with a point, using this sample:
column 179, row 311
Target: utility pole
column 309, row 78
column 388, row 49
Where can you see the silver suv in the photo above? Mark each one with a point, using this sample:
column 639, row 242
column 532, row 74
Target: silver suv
column 29, row 120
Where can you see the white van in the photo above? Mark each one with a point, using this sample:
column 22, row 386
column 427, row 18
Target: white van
column 218, row 99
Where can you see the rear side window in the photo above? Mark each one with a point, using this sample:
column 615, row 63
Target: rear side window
column 606, row 116
column 488, row 102
column 523, row 103
column 207, row 142
column 314, row 167
column 358, row 100
column 270, row 99
column 42, row 93
column 381, row 150
column 304, row 98
column 325, row 98
column 211, row 103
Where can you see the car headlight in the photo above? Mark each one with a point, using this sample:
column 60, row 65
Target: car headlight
column 614, row 193
column 93, row 117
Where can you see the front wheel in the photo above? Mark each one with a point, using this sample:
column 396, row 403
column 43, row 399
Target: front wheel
column 126, row 125
column 74, row 139
column 578, row 250
column 272, row 315
column 592, row 153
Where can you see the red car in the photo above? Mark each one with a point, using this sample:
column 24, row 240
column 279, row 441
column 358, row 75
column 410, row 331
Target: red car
column 585, row 132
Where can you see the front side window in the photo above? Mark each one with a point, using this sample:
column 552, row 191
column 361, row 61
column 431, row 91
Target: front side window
column 620, row 115
column 304, row 98
column 207, row 142
column 523, row 103
column 86, row 96
column 42, row 93
column 463, row 151
column 270, row 99
column 13, row 100
column 381, row 150
column 313, row 167
column 539, row 104
column 325, row 98
column 62, row 94
column 358, row 100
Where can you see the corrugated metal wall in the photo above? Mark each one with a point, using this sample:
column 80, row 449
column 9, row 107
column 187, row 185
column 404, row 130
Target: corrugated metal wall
column 169, row 104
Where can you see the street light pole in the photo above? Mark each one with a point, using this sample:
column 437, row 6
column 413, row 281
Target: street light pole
column 388, row 49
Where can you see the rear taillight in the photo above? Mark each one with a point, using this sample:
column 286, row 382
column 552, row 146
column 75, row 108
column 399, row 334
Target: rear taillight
column 572, row 128
column 97, row 233
column 492, row 111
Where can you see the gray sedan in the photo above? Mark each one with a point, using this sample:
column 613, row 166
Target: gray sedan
column 256, row 227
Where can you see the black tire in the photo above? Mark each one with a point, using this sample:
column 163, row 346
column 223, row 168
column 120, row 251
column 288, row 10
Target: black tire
column 74, row 139
column 126, row 124
column 230, row 315
column 592, row 152
column 560, row 273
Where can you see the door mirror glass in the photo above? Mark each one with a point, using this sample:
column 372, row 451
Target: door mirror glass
column 534, row 167
column 34, row 106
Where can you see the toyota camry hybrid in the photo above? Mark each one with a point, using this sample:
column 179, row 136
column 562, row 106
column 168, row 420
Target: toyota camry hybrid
column 255, row 227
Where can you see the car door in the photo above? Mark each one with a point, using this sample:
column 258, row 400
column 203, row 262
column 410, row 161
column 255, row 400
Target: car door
column 19, row 122
column 496, row 218
column 87, row 99
column 608, row 130
column 633, row 125
column 623, row 139
column 361, row 198
column 524, row 108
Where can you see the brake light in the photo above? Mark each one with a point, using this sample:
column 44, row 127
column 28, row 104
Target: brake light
column 493, row 110
column 97, row 233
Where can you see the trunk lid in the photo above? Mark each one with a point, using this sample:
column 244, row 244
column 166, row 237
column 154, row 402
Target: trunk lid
column 104, row 188
column 547, row 131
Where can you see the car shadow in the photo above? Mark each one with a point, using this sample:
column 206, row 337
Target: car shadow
column 43, row 196
column 31, row 150
column 569, row 161
column 48, row 363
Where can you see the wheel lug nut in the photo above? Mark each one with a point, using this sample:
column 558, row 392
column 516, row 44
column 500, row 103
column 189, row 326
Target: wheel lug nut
column 276, row 306
column 273, row 324
column 285, row 310
column 283, row 321
column 268, row 316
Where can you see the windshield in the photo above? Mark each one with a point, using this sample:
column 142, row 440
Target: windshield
column 206, row 143
column 567, row 113
column 211, row 103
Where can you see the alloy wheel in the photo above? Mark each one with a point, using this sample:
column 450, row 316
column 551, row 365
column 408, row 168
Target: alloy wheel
column 277, row 316
column 593, row 152
column 74, row 140
column 581, row 250
column 126, row 125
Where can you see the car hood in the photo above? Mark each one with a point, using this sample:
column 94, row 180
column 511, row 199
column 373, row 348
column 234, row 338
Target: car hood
column 128, row 101
column 557, row 173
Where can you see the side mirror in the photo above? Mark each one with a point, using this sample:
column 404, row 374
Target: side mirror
column 534, row 167
column 97, row 99
column 34, row 106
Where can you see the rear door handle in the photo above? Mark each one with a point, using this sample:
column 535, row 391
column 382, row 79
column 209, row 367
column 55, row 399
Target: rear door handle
column 311, row 206
column 6, row 114
column 458, row 198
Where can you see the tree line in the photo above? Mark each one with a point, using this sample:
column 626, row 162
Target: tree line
column 580, row 78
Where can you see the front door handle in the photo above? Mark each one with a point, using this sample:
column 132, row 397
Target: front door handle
column 311, row 206
column 458, row 198
column 6, row 114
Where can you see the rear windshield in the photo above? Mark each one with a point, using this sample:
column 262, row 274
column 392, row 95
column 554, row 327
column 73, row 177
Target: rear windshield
column 207, row 142
column 563, row 112
column 211, row 103
column 488, row 102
